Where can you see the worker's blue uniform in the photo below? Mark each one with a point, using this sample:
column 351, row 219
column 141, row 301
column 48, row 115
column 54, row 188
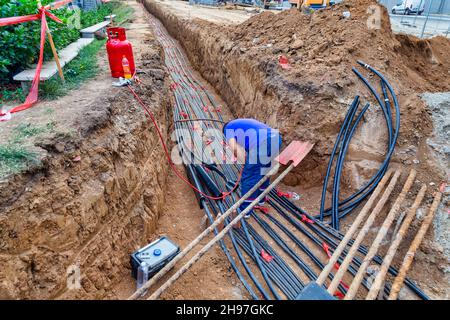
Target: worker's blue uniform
column 258, row 140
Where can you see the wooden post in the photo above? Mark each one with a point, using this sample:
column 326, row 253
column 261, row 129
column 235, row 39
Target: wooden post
column 362, row 233
column 379, row 280
column 52, row 45
column 351, row 293
column 55, row 55
column 409, row 257
column 359, row 218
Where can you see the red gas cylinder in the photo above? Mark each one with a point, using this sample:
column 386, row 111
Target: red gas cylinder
column 117, row 47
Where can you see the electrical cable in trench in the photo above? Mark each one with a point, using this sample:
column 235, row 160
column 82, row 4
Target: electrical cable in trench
column 188, row 93
column 340, row 209
column 169, row 159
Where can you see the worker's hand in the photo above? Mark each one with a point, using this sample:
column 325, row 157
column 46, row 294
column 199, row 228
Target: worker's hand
column 238, row 224
column 237, row 150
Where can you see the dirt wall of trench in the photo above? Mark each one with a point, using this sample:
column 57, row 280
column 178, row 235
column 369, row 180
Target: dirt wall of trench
column 95, row 199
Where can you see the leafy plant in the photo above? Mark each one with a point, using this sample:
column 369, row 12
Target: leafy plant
column 11, row 92
column 20, row 43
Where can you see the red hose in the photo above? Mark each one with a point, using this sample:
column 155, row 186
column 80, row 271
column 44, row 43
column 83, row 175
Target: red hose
column 172, row 165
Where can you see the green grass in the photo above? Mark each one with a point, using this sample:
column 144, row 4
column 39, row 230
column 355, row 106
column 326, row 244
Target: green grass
column 14, row 157
column 81, row 69
column 122, row 12
column 25, row 130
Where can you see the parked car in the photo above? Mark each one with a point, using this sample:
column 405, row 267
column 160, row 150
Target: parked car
column 409, row 7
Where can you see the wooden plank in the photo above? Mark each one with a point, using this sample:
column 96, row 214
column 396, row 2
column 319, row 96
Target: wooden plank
column 296, row 151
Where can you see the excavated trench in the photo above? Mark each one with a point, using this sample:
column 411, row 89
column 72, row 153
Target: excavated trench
column 258, row 89
column 306, row 111
column 91, row 204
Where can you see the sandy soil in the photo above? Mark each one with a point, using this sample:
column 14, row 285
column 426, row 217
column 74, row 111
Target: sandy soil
column 182, row 220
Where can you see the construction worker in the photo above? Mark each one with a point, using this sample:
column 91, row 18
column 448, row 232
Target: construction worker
column 255, row 145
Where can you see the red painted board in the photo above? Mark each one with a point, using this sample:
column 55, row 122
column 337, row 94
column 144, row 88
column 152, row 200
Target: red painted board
column 296, row 151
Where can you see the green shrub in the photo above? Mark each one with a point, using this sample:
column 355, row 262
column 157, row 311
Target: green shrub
column 20, row 43
column 89, row 18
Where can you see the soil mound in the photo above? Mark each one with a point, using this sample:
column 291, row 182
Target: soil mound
column 325, row 45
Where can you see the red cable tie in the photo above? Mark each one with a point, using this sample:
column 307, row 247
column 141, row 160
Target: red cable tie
column 264, row 210
column 208, row 142
column 339, row 295
column 283, row 194
column 305, row 219
column 344, row 285
column 205, row 108
column 218, row 109
column 184, row 114
column 267, row 257
column 327, row 250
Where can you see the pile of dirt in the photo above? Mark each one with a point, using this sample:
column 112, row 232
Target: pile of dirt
column 309, row 100
column 324, row 46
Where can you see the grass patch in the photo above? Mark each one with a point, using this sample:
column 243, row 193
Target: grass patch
column 11, row 94
column 14, row 157
column 26, row 130
column 122, row 12
column 79, row 70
